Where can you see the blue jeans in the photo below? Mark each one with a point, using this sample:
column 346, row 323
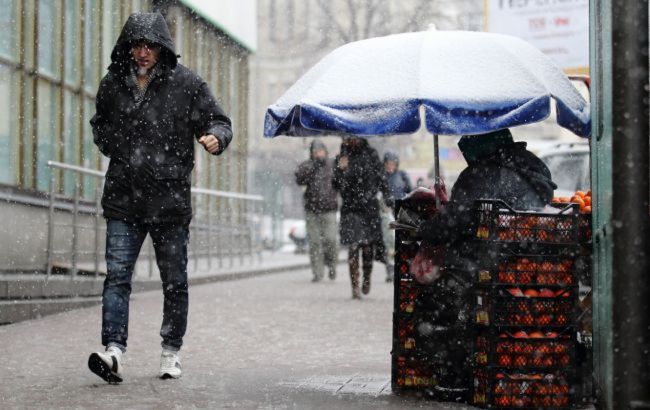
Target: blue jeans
column 123, row 243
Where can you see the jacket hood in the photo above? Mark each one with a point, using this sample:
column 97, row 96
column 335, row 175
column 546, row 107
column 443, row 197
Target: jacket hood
column 475, row 147
column 391, row 156
column 143, row 26
column 316, row 145
column 529, row 166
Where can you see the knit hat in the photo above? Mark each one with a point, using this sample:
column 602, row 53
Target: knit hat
column 475, row 147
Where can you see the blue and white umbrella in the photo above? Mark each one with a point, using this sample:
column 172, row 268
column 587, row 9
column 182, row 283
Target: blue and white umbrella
column 466, row 83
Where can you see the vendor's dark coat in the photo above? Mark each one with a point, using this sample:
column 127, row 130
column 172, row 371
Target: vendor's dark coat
column 359, row 185
column 513, row 174
column 151, row 146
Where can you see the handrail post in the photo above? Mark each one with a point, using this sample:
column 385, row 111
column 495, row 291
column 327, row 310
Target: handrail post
column 97, row 237
column 75, row 233
column 231, row 250
column 50, row 227
column 220, row 232
column 208, row 217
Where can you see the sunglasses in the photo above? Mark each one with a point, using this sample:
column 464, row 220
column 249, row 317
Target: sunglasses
column 146, row 45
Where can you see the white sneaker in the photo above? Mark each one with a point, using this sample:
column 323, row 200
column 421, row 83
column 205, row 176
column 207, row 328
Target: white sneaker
column 107, row 365
column 170, row 365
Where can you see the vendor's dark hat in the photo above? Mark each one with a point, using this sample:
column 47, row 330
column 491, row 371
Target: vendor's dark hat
column 475, row 147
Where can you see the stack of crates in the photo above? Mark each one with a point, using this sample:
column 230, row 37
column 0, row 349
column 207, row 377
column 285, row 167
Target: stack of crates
column 428, row 340
column 526, row 308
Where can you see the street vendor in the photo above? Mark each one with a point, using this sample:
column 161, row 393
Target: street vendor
column 497, row 168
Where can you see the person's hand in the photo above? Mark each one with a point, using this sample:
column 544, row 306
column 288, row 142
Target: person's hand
column 210, row 143
column 343, row 162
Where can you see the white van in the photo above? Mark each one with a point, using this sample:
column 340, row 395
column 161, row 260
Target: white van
column 569, row 166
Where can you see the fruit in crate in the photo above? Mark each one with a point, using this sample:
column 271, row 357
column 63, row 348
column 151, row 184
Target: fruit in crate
column 515, row 292
column 531, row 293
column 546, row 293
column 582, row 198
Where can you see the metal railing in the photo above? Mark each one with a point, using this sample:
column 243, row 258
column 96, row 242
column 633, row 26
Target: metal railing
column 225, row 226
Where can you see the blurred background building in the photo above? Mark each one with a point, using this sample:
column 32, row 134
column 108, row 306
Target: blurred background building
column 293, row 36
column 53, row 54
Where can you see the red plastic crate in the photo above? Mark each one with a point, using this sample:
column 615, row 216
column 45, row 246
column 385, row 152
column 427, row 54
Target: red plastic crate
column 503, row 389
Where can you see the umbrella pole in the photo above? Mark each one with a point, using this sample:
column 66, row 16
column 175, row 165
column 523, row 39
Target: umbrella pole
column 436, row 169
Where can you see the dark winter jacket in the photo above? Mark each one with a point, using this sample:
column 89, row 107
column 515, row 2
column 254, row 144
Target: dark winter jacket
column 512, row 174
column 316, row 174
column 151, row 145
column 399, row 183
column 359, row 185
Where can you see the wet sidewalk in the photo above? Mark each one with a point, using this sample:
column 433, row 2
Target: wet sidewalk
column 30, row 296
column 267, row 342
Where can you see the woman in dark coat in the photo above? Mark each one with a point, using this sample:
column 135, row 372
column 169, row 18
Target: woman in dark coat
column 359, row 177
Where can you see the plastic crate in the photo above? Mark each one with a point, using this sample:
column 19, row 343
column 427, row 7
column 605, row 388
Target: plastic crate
column 496, row 388
column 530, row 270
column 550, row 352
column 444, row 383
column 420, row 335
column 496, row 221
column 499, row 307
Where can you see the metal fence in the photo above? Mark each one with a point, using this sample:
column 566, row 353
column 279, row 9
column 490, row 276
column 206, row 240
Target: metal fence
column 225, row 228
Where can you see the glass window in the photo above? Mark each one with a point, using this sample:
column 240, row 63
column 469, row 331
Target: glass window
column 46, row 133
column 91, row 49
column 8, row 125
column 111, row 16
column 28, row 133
column 71, row 42
column 89, row 157
column 8, row 16
column 48, row 43
column 71, row 121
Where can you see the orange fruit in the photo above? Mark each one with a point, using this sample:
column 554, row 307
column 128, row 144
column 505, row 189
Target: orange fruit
column 587, row 200
column 531, row 293
column 578, row 200
column 581, row 194
column 586, row 209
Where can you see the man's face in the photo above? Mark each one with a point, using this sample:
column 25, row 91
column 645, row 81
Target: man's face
column 145, row 55
column 390, row 166
column 319, row 153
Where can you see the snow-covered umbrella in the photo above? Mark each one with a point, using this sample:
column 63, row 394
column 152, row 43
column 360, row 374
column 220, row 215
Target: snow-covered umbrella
column 466, row 83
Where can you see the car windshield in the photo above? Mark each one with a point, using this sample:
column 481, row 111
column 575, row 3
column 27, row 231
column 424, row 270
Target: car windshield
column 570, row 171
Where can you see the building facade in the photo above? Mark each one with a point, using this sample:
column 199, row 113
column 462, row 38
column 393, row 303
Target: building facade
column 53, row 54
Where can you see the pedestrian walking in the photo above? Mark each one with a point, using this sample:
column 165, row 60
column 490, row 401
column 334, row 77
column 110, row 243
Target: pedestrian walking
column 399, row 185
column 359, row 177
column 149, row 111
column 320, row 210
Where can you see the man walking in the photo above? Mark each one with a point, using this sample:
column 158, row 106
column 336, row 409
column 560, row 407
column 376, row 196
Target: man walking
column 399, row 185
column 149, row 111
column 320, row 209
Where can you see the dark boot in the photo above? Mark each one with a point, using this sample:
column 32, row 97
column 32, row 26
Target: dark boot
column 368, row 254
column 332, row 272
column 365, row 287
column 353, row 263
column 354, row 278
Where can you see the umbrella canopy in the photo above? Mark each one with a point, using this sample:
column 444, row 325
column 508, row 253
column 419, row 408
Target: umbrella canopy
column 467, row 82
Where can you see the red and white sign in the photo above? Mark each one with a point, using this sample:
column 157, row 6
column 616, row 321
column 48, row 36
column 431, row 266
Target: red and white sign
column 559, row 28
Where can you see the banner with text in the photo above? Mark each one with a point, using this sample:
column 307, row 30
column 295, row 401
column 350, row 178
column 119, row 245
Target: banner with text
column 559, row 28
